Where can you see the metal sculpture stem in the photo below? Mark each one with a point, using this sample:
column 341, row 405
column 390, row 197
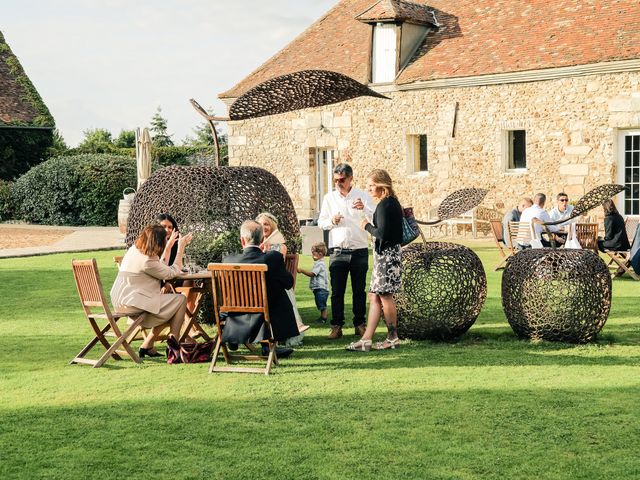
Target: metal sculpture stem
column 210, row 119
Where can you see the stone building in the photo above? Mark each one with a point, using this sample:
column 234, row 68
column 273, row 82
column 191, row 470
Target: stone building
column 519, row 95
column 26, row 126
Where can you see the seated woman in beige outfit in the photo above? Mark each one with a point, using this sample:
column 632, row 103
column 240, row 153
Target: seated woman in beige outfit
column 137, row 286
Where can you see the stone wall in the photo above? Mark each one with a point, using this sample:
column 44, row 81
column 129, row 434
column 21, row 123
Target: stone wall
column 571, row 126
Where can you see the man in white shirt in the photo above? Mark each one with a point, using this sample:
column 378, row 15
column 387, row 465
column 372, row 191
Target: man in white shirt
column 342, row 212
column 537, row 215
column 563, row 210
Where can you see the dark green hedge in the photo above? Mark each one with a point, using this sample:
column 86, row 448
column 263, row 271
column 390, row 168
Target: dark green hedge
column 7, row 205
column 75, row 190
column 21, row 149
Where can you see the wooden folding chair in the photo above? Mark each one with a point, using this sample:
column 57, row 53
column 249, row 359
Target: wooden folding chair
column 291, row 264
column 520, row 233
column 620, row 261
column 96, row 308
column 240, row 288
column 498, row 237
column 587, row 235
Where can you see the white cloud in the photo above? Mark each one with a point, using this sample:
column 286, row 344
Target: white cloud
column 111, row 63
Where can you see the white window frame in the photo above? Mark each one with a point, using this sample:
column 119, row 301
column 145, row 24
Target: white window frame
column 507, row 151
column 621, row 176
column 324, row 174
column 413, row 154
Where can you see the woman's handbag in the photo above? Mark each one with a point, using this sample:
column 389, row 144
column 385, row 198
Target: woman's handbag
column 410, row 228
column 188, row 352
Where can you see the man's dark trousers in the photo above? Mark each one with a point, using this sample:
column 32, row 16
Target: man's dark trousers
column 343, row 263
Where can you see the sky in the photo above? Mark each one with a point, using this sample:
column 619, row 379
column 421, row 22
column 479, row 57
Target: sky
column 111, row 63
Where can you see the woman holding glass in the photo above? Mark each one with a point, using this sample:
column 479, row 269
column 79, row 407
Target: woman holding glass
column 386, row 228
column 137, row 290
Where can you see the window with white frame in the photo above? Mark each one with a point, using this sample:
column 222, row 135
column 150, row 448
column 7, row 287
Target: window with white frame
column 515, row 149
column 629, row 171
column 383, row 67
column 417, row 153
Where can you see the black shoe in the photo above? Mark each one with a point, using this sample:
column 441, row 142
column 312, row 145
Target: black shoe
column 280, row 352
column 146, row 352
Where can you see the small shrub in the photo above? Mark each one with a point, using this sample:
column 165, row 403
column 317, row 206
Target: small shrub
column 75, row 190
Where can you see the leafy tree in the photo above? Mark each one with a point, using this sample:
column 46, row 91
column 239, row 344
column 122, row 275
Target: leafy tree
column 59, row 146
column 160, row 136
column 97, row 140
column 126, row 139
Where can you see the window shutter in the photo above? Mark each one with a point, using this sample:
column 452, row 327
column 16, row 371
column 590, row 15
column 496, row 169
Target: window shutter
column 384, row 53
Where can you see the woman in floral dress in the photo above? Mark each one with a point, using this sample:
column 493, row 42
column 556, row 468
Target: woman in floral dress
column 386, row 228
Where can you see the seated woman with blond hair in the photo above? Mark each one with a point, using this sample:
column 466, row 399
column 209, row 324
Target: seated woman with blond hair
column 137, row 290
column 274, row 240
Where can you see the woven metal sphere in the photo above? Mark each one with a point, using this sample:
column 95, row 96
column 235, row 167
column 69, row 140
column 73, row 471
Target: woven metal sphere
column 556, row 294
column 444, row 287
column 212, row 203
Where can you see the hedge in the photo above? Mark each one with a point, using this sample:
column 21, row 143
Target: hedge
column 21, row 149
column 75, row 190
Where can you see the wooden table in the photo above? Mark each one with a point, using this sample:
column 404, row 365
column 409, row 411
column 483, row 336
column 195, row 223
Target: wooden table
column 194, row 296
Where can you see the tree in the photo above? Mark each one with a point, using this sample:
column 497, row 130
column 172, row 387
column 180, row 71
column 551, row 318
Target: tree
column 126, row 139
column 160, row 136
column 96, row 140
column 59, row 146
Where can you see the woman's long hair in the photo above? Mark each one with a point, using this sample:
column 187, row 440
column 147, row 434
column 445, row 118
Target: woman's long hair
column 152, row 240
column 382, row 180
column 609, row 207
column 166, row 216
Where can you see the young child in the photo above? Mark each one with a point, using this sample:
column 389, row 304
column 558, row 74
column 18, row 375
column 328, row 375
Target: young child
column 319, row 280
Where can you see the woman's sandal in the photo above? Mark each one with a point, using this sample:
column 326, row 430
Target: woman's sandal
column 359, row 346
column 387, row 344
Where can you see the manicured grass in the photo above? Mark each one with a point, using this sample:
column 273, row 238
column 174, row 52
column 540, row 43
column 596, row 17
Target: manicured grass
column 487, row 406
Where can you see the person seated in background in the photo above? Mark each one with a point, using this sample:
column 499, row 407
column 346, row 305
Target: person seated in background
column 137, row 290
column 514, row 216
column 278, row 280
column 537, row 215
column 562, row 211
column 615, row 234
column 171, row 227
column 274, row 240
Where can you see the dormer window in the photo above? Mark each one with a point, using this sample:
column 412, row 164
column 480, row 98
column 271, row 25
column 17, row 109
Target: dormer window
column 399, row 27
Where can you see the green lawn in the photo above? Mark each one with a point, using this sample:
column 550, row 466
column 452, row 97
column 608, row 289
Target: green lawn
column 488, row 406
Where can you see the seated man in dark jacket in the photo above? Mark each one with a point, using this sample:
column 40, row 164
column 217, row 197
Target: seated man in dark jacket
column 278, row 279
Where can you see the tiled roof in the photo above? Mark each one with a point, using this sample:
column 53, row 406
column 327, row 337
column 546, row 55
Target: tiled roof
column 476, row 37
column 398, row 11
column 20, row 104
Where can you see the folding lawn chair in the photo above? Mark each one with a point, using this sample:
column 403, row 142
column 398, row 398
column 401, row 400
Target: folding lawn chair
column 96, row 308
column 620, row 261
column 240, row 289
column 587, row 235
column 498, row 237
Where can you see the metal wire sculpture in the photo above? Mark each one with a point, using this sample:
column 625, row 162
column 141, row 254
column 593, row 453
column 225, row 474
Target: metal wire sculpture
column 592, row 199
column 559, row 295
column 444, row 287
column 212, row 202
column 298, row 90
column 457, row 203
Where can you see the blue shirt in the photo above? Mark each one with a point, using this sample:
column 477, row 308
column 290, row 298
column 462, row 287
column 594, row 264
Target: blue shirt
column 320, row 279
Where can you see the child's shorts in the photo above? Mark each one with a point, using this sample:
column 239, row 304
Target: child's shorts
column 321, row 295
